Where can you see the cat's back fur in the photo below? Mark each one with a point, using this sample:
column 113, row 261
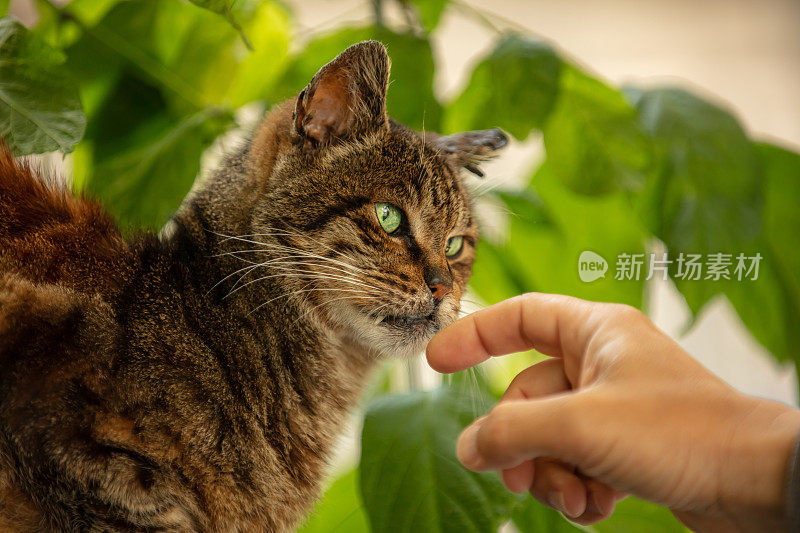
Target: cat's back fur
column 47, row 234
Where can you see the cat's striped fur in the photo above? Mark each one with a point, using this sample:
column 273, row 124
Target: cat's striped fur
column 197, row 381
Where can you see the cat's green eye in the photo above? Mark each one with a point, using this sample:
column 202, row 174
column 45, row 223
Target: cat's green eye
column 389, row 217
column 453, row 246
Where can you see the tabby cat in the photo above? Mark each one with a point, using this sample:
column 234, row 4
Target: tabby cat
column 196, row 380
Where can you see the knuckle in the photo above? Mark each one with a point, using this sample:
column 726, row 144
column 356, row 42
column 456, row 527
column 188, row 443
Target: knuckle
column 574, row 429
column 625, row 311
column 497, row 432
column 625, row 316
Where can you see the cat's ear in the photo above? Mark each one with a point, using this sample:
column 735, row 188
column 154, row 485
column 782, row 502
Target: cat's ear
column 467, row 149
column 346, row 98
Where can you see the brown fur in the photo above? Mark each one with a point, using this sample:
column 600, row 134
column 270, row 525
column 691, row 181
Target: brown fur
column 152, row 384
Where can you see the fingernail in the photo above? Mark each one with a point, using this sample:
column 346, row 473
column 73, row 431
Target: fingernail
column 594, row 504
column 467, row 448
column 556, row 501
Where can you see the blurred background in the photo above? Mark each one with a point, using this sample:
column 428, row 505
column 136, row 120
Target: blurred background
column 639, row 127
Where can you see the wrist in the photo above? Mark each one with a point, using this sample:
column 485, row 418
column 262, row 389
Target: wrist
column 755, row 463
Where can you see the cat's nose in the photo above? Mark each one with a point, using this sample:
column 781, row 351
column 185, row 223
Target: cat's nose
column 440, row 290
column 439, row 283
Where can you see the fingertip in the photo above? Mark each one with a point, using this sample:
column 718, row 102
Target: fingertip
column 455, row 348
column 519, row 478
column 575, row 500
column 559, row 487
column 600, row 502
column 467, row 448
column 601, row 497
column 437, row 354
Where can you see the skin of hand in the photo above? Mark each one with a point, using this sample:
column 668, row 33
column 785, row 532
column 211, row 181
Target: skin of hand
column 619, row 408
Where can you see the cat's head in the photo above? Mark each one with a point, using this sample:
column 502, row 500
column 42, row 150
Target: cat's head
column 372, row 219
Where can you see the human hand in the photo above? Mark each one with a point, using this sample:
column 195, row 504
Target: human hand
column 620, row 408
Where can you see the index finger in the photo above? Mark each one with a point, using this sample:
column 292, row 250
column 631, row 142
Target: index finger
column 532, row 320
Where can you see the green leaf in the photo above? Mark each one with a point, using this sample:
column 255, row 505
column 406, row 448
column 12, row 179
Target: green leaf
column 770, row 305
column 90, row 12
column 191, row 55
column 340, row 509
column 410, row 477
column 211, row 58
column 533, row 517
column 708, row 172
column 4, row 5
column 39, row 106
column 429, row 11
column 128, row 38
column 49, row 24
column 410, row 99
column 765, row 307
column 515, row 87
column 269, row 30
column 704, row 196
column 224, row 8
column 541, row 254
column 781, row 171
column 144, row 184
column 593, row 142
column 633, row 515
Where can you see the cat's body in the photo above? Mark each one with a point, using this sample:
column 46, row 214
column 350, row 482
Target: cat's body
column 158, row 388
column 197, row 381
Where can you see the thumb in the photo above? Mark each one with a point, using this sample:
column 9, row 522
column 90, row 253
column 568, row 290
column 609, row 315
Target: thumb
column 515, row 431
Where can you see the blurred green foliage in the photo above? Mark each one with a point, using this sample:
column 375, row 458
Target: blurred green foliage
column 140, row 89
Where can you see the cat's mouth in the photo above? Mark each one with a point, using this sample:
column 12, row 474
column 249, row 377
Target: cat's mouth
column 397, row 333
column 405, row 321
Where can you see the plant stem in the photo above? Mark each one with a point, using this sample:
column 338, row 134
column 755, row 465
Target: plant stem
column 489, row 18
column 377, row 7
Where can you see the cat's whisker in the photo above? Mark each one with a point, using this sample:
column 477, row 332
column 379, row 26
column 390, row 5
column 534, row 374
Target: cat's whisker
column 304, row 275
column 329, row 302
column 318, row 289
column 325, row 259
column 288, row 259
column 293, row 293
column 332, row 277
column 317, row 261
column 376, row 314
column 248, row 268
column 326, row 275
column 297, row 233
column 307, row 262
column 284, row 248
column 254, row 264
column 290, row 263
